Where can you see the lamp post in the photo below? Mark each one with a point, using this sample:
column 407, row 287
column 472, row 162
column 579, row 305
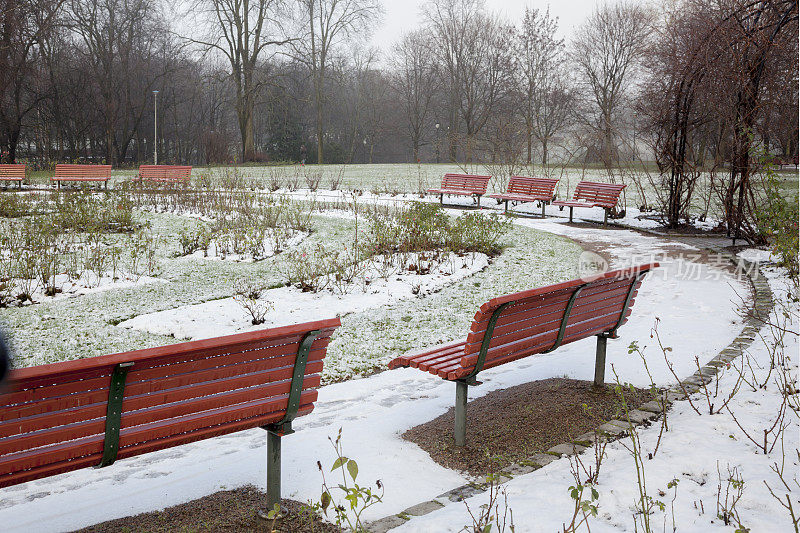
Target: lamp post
column 155, row 127
column 437, row 142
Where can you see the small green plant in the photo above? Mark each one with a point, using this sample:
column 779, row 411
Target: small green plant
column 347, row 500
column 585, row 498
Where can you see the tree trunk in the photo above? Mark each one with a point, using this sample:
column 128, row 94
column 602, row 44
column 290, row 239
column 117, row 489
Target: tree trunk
column 544, row 152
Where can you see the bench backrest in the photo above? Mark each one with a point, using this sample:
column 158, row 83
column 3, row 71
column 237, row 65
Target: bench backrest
column 67, row 171
column 53, row 418
column 541, row 187
column 466, row 182
column 604, row 194
column 12, row 171
column 164, row 172
column 540, row 320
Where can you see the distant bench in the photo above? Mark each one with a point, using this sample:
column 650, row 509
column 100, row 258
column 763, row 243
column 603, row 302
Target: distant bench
column 532, row 322
column 82, row 173
column 522, row 189
column 12, row 172
column 592, row 194
column 64, row 416
column 462, row 185
column 165, row 173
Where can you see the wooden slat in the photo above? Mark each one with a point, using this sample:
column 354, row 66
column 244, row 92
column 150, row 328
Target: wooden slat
column 54, row 418
column 57, row 385
column 12, row 172
column 164, row 172
column 70, row 172
column 531, row 323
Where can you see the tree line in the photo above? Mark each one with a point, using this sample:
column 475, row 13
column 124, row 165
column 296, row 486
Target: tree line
column 696, row 84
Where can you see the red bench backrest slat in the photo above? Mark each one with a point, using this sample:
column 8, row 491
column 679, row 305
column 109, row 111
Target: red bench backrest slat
column 53, row 416
column 466, row 182
column 12, row 171
column 543, row 187
column 164, row 172
column 605, row 194
column 67, row 171
column 531, row 324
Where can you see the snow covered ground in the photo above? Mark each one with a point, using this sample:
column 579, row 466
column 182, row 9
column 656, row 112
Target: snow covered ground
column 697, row 311
column 290, row 305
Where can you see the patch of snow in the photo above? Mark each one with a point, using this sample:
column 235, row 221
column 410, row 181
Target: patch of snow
column 290, row 305
column 757, row 255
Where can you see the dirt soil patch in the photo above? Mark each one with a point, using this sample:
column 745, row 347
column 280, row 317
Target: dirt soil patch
column 510, row 425
column 228, row 510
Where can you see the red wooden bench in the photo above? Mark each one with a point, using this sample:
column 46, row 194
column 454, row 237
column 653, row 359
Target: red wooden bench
column 521, row 189
column 532, row 322
column 462, row 185
column 82, row 173
column 12, row 172
column 592, row 194
column 165, row 173
column 64, row 416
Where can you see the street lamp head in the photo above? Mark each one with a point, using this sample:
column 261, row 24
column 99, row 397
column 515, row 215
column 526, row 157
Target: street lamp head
column 437, row 125
column 155, row 91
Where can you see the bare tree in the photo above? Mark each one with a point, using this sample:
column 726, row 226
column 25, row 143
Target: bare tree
column 537, row 67
column 241, row 30
column 327, row 23
column 606, row 50
column 23, row 26
column 124, row 43
column 415, row 81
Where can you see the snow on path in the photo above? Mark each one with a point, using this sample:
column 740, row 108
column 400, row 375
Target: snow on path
column 697, row 317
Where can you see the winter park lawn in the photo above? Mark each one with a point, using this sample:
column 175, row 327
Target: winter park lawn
column 694, row 302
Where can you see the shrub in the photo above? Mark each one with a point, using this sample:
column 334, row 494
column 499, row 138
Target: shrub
column 425, row 227
column 778, row 223
column 248, row 293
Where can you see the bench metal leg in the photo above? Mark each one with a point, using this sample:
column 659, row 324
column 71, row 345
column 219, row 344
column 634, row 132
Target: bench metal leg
column 570, row 213
column 461, row 413
column 479, row 201
column 441, row 199
column 600, row 361
column 543, row 206
column 506, row 205
column 605, row 217
column 273, row 469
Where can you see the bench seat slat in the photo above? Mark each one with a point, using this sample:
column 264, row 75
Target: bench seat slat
column 406, row 360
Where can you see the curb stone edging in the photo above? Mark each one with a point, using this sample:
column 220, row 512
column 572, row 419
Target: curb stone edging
column 760, row 309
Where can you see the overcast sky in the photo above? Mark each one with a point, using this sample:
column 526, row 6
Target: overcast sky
column 403, row 15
